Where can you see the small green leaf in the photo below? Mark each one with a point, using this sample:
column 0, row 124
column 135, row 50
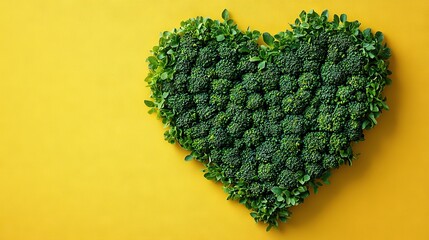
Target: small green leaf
column 225, row 15
column 153, row 61
column 268, row 39
column 189, row 157
column 261, row 65
column 149, row 103
column 220, row 37
column 277, row 190
column 325, row 14
column 164, row 75
column 255, row 59
column 343, row 18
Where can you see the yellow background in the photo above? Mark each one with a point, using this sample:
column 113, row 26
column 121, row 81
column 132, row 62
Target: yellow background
column 80, row 158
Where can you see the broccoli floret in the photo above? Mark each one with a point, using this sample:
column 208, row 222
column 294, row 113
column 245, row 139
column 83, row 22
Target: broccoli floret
column 290, row 106
column 326, row 94
column 207, row 56
column 294, row 124
column 168, row 87
column 180, row 81
column 266, row 172
column 180, row 103
column 357, row 82
column 294, row 163
column 252, row 137
column 354, row 130
column 308, row 81
column 310, row 114
column 240, row 123
column 231, row 157
column 221, row 120
column 273, row 98
column 188, row 47
column 239, row 144
column 255, row 189
column 312, row 66
column 275, row 113
column 287, row 179
column 338, row 142
column 339, row 117
column 309, row 156
column 206, row 112
column 221, row 86
column 238, row 95
column 246, row 66
column 186, row 119
column 216, row 156
column 183, row 65
column 314, row 170
column 225, row 68
column 345, row 94
column 249, row 47
column 360, row 96
column 316, row 141
column 227, row 51
column 324, row 119
column 200, row 145
column 199, row 80
column 218, row 137
column 201, row 99
column 254, row 101
column 353, row 62
column 219, row 101
column 331, row 161
column 259, row 117
column 289, row 63
column 251, row 82
column 338, row 46
column 310, row 51
column 269, row 79
column 288, row 84
column 265, row 151
column 199, row 130
column 271, row 129
column 333, row 74
column 291, row 143
column 248, row 171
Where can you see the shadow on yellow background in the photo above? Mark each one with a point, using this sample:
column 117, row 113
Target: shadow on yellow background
column 80, row 158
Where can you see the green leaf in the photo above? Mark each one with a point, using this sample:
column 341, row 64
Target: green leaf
column 268, row 39
column 220, row 37
column 367, row 33
column 149, row 103
column 325, row 14
column 153, row 62
column 164, row 75
column 255, row 59
column 189, row 157
column 225, row 15
column 277, row 190
column 343, row 18
column 261, row 65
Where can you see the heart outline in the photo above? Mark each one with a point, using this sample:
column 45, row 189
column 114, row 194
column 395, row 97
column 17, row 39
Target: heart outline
column 163, row 70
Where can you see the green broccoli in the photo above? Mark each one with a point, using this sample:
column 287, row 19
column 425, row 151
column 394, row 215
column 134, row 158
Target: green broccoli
column 268, row 121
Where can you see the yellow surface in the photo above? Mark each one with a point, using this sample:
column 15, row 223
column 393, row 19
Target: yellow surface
column 80, row 158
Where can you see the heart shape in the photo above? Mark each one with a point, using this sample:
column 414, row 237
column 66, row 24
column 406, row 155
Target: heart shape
column 269, row 121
